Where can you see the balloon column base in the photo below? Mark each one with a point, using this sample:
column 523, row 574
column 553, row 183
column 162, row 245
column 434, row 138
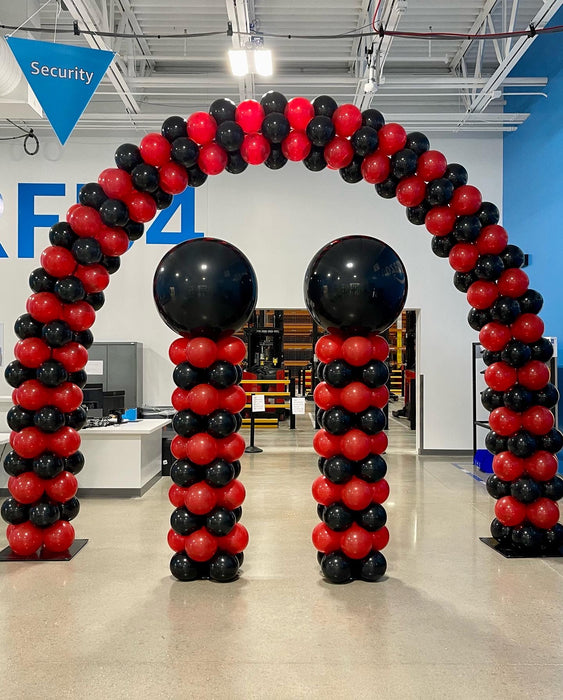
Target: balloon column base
column 512, row 553
column 44, row 555
column 252, row 449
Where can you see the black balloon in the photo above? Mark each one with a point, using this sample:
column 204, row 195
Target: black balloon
column 356, row 284
column 417, row 215
column 488, row 214
column 516, row 353
column 41, row 281
column 222, row 374
column 112, row 264
column 186, row 376
column 276, row 159
column 114, row 212
column 185, row 473
column 403, row 163
column 74, row 463
column 525, row 490
column 464, row 280
column 18, row 418
column 187, row 423
column 134, row 230
column 522, row 444
column 196, row 176
column 96, row 300
column 44, row 514
column 185, row 151
column 223, row 567
column 439, row 192
column 388, row 188
column 505, row 310
column 371, row 421
column 477, row 318
column 85, row 338
column 372, row 468
column 496, row 443
column 220, row 472
column 16, row 373
column 372, row 518
column 352, row 173
column 47, row 465
column 553, row 538
column 442, row 245
column 70, row 289
column 236, row 164
column 531, row 302
column 456, row 174
column 320, row 130
column 49, row 419
column 229, row 135
column 128, row 156
column 338, row 517
column 80, row 378
column 489, row 357
column 275, row 127
column 205, row 286
column 56, row 333
column 551, row 442
column 183, row 522
column 337, row 420
column 337, row 568
column 173, row 127
column 492, row 399
column 25, row 326
column 364, row 140
column 518, row 398
column 220, row 522
column 489, row 267
column 61, row 234
column 69, row 509
column 183, row 568
column 467, row 229
column 320, row 510
column 320, row 371
column 372, row 567
column 512, row 256
column 221, row 424
column 527, row 538
column 273, row 101
column 145, row 177
column 553, row 488
column 501, row 533
column 338, row 469
column 315, row 161
column 77, row 419
column 373, row 118
column 14, row 512
column 542, row 350
column 324, row 106
column 14, row 465
column 223, row 110
column 497, row 488
column 417, row 142
column 52, row 373
column 92, row 195
column 162, row 199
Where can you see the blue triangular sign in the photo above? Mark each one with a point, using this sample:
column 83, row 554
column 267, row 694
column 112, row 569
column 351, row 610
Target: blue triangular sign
column 63, row 78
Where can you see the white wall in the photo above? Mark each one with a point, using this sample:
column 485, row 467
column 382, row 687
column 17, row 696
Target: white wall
column 279, row 219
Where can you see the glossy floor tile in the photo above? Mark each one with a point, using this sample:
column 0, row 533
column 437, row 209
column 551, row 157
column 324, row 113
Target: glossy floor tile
column 451, row 619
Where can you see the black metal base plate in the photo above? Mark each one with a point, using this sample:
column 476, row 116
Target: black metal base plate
column 252, row 449
column 511, row 553
column 44, row 555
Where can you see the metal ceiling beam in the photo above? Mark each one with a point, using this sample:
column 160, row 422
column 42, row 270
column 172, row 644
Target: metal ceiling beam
column 241, row 16
column 142, row 43
column 83, row 12
column 475, row 27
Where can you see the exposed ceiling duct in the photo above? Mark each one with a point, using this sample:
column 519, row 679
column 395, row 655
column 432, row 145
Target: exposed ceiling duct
column 17, row 101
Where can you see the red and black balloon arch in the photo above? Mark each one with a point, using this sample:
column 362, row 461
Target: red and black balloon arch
column 68, row 289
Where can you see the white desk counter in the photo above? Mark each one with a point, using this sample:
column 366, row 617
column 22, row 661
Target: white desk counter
column 121, row 460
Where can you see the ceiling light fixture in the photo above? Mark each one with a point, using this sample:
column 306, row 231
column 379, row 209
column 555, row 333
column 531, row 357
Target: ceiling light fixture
column 252, row 59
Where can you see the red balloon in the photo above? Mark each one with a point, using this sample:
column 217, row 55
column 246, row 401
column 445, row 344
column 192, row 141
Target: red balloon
column 80, row 315
column 177, row 495
column 255, row 149
column 431, row 165
column 231, row 349
column 84, row 221
column 94, row 278
column 494, row 336
column 32, row 352
column 173, row 178
column 324, row 539
column 27, row 487
column 440, row 221
column 201, row 448
column 543, row 513
column 329, row 348
column 356, row 542
column 201, row 127
column 155, row 149
column 507, row 466
column 116, row 183
column 411, row 191
column 481, row 294
column 326, row 396
column 380, row 538
column 326, row 444
column 44, row 307
column 510, row 511
column 538, row 420
column 380, row 347
column 380, row 397
column 492, row 240
column 376, row 168
column 179, row 447
column 463, row 256
column 64, row 442
column 380, row 491
column 355, row 445
column 378, row 443
column 500, row 376
column 201, row 352
column 29, row 442
column 466, row 200
column 72, row 356
column 67, row 396
column 232, row 447
column 504, row 421
column 142, row 207
column 177, row 350
column 201, row 545
column 357, row 350
column 58, row 261
column 513, row 282
column 528, row 328
column 24, row 539
column 249, row 115
column 212, row 160
column 296, row 146
column 232, row 399
column 32, row 395
column 542, row 465
column 356, row 494
column 347, row 119
column 534, row 375
column 355, row 397
column 232, row 495
column 339, row 153
column 200, row 498
column 62, row 487
column 299, row 112
column 204, row 399
column 392, row 137
column 176, row 542
column 236, row 541
column 113, row 241
column 325, row 491
column 181, row 399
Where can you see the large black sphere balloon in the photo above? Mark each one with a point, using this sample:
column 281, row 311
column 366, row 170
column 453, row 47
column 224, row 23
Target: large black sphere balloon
column 44, row 514
column 70, row 289
column 337, row 420
column 275, row 127
column 221, row 424
column 525, row 489
column 273, row 101
column 52, row 373
column 127, row 156
column 74, row 463
column 373, row 567
column 187, row 423
column 338, row 469
column 337, row 568
column 320, row 130
column 49, row 419
column 315, row 161
column 527, row 538
column 357, row 284
column 18, row 418
column 516, row 353
column 16, row 373
column 185, row 473
column 183, row 568
column 223, row 567
column 338, row 517
column 338, row 373
column 25, row 326
column 531, row 302
column 373, row 517
column 488, row 214
column 229, row 136
column 442, row 245
column 41, row 281
column 501, row 533
column 92, row 195
column 62, row 234
column 375, row 374
column 183, row 522
column 276, row 159
column 222, row 374
column 69, row 509
column 352, row 173
column 553, row 488
column 185, row 151
column 324, row 106
column 14, row 465
column 552, row 441
column 372, row 468
column 497, row 488
column 14, row 512
column 47, row 465
column 417, row 142
column 223, row 110
column 371, row 421
column 220, row 472
column 220, row 522
column 206, row 287
column 417, row 215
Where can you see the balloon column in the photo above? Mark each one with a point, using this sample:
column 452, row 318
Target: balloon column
column 205, row 289
column 355, row 287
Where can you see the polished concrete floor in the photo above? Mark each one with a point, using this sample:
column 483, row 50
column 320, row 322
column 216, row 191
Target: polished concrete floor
column 452, row 618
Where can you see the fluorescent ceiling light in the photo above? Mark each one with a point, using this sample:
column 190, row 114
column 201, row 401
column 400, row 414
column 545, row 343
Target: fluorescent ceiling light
column 239, row 62
column 263, row 62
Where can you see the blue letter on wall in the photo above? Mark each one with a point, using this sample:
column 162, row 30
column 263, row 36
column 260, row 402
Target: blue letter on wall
column 28, row 220
column 185, row 201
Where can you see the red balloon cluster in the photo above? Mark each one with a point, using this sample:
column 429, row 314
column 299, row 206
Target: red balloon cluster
column 206, row 536
column 350, row 443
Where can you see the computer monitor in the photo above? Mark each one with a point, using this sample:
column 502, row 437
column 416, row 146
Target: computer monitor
column 94, row 399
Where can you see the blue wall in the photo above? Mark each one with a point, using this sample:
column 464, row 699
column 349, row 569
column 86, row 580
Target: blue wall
column 533, row 179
